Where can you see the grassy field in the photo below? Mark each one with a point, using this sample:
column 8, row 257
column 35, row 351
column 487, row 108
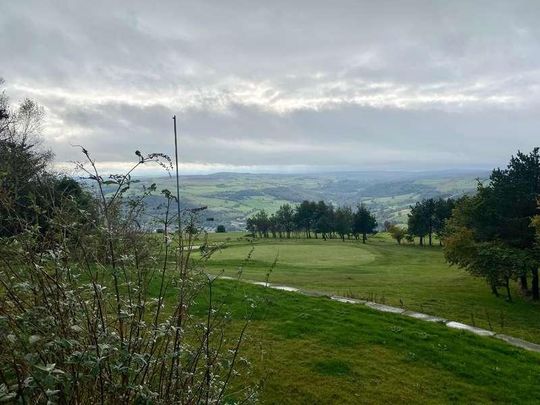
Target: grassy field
column 311, row 350
column 410, row 276
column 315, row 351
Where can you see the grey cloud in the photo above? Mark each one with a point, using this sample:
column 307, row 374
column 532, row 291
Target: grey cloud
column 351, row 135
column 359, row 83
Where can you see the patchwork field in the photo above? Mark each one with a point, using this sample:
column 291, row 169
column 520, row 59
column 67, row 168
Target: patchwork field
column 410, row 276
column 232, row 197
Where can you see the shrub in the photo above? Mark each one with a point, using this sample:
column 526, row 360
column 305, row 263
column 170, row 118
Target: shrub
column 397, row 233
column 90, row 314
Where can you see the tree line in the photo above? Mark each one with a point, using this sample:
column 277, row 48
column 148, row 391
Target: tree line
column 313, row 219
column 426, row 219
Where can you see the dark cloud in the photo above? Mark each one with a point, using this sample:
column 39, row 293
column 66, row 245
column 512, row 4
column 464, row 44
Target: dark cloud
column 408, row 84
column 350, row 135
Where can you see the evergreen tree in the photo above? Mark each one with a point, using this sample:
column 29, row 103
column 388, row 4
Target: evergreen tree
column 497, row 225
column 304, row 214
column 324, row 219
column 443, row 211
column 343, row 222
column 364, row 222
column 417, row 222
column 285, row 216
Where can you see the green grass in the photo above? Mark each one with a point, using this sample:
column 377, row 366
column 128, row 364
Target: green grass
column 315, row 351
column 415, row 277
column 309, row 350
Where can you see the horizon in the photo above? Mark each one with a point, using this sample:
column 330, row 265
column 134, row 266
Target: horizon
column 156, row 171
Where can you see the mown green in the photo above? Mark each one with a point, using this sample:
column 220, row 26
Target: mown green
column 417, row 278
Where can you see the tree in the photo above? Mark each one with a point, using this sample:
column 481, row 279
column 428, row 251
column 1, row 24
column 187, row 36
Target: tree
column 251, row 227
column 313, row 218
column 491, row 259
column 499, row 222
column 397, row 232
column 442, row 211
column 417, row 224
column 515, row 192
column 274, row 226
column 4, row 109
column 259, row 223
column 343, row 222
column 364, row 222
column 285, row 216
column 221, row 229
column 428, row 217
column 324, row 219
column 304, row 215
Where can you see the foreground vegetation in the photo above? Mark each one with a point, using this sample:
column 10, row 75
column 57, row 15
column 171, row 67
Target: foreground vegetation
column 416, row 277
column 88, row 312
column 315, row 351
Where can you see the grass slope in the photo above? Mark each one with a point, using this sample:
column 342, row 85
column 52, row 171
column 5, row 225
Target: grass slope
column 315, row 351
column 415, row 277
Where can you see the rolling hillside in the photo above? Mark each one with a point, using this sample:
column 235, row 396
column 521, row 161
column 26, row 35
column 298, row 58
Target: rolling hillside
column 232, row 197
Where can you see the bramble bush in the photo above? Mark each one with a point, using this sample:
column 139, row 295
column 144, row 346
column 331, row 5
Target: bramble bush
column 94, row 309
column 90, row 313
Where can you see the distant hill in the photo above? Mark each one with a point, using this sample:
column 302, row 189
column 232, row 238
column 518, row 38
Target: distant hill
column 232, row 197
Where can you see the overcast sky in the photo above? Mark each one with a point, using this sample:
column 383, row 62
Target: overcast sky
column 281, row 85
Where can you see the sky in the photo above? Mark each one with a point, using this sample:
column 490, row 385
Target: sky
column 280, row 86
